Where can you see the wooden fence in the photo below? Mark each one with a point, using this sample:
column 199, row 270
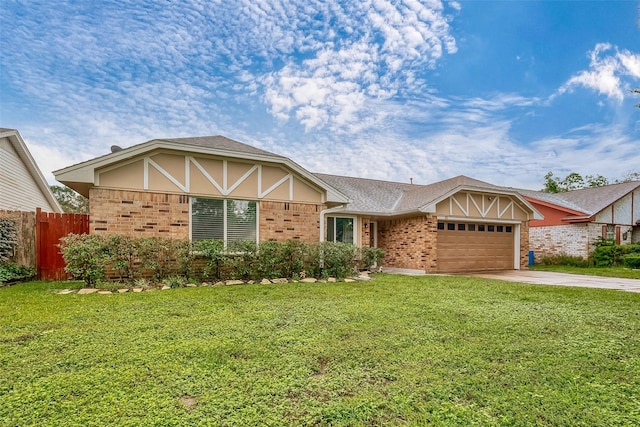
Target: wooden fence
column 25, row 249
column 50, row 228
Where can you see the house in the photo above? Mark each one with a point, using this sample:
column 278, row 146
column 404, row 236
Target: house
column 574, row 220
column 22, row 185
column 215, row 187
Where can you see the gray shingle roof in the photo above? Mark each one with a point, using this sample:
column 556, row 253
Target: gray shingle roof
column 386, row 197
column 587, row 200
column 221, row 143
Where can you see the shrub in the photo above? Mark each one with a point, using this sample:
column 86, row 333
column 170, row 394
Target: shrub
column 564, row 259
column 270, row 260
column 608, row 254
column 214, row 252
column 242, row 259
column 631, row 260
column 12, row 272
column 371, row 257
column 8, row 238
column 86, row 256
column 336, row 259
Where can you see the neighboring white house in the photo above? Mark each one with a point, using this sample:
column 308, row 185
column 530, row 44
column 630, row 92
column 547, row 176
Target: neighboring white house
column 22, row 185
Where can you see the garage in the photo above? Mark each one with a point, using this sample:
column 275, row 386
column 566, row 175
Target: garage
column 469, row 246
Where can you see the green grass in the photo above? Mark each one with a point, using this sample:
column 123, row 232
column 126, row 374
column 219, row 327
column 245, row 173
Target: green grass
column 394, row 351
column 621, row 272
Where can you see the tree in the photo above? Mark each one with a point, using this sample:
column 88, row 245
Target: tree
column 630, row 176
column 69, row 200
column 573, row 181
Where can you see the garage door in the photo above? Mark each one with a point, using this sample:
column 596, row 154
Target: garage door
column 464, row 246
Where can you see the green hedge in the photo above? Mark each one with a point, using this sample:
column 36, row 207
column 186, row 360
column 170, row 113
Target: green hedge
column 631, row 261
column 94, row 258
column 11, row 272
column 608, row 254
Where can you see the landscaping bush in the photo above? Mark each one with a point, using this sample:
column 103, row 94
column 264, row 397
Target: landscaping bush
column 92, row 257
column 86, row 256
column 12, row 272
column 631, row 260
column 214, row 252
column 564, row 259
column 371, row 257
column 608, row 254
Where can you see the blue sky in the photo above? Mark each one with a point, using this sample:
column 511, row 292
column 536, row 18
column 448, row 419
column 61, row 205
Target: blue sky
column 500, row 91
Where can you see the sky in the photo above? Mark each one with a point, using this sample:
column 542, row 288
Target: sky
column 501, row 91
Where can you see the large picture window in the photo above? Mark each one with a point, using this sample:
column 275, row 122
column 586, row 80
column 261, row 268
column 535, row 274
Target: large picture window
column 223, row 219
column 340, row 230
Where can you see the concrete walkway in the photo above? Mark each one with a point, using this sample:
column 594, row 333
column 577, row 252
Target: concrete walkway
column 563, row 279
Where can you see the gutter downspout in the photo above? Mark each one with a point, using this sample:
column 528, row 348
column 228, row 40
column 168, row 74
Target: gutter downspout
column 323, row 213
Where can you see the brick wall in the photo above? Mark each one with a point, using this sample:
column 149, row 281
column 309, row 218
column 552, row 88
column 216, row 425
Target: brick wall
column 282, row 221
column 524, row 245
column 409, row 242
column 570, row 239
column 139, row 214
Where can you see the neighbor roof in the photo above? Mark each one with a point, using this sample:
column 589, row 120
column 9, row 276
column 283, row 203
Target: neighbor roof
column 588, row 200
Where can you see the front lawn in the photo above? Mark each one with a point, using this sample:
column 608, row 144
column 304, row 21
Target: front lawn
column 395, row 351
column 621, row 272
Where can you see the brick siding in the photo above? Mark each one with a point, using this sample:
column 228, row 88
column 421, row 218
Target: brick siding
column 525, row 231
column 409, row 242
column 280, row 221
column 570, row 239
column 139, row 214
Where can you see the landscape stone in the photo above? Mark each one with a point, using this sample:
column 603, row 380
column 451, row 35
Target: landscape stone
column 349, row 280
column 165, row 288
column 234, row 282
column 205, row 284
column 280, row 280
column 331, row 279
column 137, row 289
column 85, row 291
column 219, row 284
column 66, row 291
column 105, row 292
column 265, row 282
column 122, row 291
column 191, row 285
column 309, row 280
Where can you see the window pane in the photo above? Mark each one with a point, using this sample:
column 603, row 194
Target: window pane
column 508, row 229
column 461, row 227
column 344, row 230
column 331, row 230
column 451, row 226
column 241, row 220
column 441, row 226
column 207, row 219
column 472, row 227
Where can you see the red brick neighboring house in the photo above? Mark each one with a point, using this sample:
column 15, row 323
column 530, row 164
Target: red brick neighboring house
column 575, row 219
column 214, row 187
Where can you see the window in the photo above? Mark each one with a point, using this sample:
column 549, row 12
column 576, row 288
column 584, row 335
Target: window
column 480, row 227
column 228, row 220
column 499, row 228
column 340, row 229
column 461, row 227
column 441, row 226
column 508, row 228
column 472, row 227
column 451, row 226
column 491, row 228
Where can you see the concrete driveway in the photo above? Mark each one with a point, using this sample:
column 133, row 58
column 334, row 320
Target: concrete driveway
column 563, row 279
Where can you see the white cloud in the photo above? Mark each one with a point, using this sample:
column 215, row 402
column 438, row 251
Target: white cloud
column 608, row 64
